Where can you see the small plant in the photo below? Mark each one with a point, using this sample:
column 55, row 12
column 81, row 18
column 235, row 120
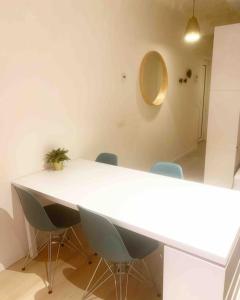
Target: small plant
column 56, row 158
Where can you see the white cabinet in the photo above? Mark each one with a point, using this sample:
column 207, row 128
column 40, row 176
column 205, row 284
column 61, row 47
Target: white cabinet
column 223, row 123
column 190, row 278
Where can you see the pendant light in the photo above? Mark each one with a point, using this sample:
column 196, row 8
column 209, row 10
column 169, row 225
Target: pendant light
column 192, row 33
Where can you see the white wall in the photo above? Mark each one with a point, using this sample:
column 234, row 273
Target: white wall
column 224, row 109
column 60, row 85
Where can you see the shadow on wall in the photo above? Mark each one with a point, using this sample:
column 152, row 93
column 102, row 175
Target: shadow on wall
column 6, row 227
column 148, row 112
column 11, row 229
column 19, row 222
column 9, row 232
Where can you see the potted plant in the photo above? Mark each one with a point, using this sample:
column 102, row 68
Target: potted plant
column 56, row 157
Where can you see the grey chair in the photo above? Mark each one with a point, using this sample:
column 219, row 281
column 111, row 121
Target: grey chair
column 119, row 249
column 107, row 158
column 56, row 220
column 167, row 169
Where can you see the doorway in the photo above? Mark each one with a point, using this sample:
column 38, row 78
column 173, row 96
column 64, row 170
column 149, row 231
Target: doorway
column 193, row 163
column 204, row 102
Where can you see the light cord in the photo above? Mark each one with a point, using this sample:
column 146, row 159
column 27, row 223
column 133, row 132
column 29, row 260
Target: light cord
column 194, row 1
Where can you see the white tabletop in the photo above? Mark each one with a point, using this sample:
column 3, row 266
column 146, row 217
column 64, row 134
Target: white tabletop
column 199, row 219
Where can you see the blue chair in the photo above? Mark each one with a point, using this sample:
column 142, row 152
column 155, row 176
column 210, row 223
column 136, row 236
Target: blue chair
column 107, row 158
column 168, row 169
column 55, row 219
column 119, row 250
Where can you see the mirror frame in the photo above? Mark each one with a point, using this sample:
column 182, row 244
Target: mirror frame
column 163, row 88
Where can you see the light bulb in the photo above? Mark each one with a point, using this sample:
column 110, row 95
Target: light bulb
column 192, row 37
column 192, row 33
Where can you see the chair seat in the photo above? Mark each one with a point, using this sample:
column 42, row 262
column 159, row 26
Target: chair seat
column 137, row 245
column 62, row 216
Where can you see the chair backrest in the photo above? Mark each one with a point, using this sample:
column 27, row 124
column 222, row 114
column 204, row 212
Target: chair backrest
column 108, row 158
column 103, row 237
column 167, row 169
column 34, row 212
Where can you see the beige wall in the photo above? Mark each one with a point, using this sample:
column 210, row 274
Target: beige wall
column 60, row 85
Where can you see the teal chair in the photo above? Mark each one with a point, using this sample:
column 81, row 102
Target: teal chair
column 107, row 158
column 168, row 169
column 54, row 219
column 118, row 248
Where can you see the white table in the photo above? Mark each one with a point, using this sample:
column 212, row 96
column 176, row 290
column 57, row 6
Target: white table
column 198, row 224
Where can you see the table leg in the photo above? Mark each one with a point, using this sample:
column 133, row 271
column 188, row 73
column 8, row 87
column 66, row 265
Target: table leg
column 32, row 245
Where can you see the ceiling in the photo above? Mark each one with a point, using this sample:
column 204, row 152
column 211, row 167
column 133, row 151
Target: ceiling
column 211, row 13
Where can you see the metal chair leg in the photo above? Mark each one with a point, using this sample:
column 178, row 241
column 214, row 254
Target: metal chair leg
column 56, row 264
column 118, row 281
column 94, row 273
column 81, row 247
column 49, row 263
column 51, row 270
column 42, row 247
column 137, row 275
column 116, row 287
column 96, row 287
column 64, row 237
column 117, row 273
column 101, row 280
column 120, row 284
column 127, row 279
column 68, row 243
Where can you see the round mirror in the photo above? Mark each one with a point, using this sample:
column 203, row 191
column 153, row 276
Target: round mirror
column 153, row 78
